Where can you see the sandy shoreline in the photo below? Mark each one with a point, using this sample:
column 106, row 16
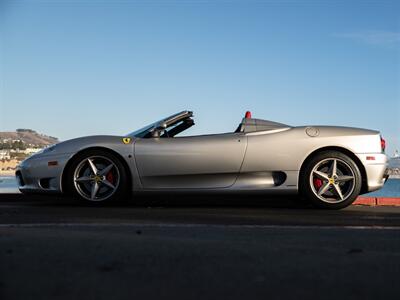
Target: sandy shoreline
column 7, row 167
column 10, row 173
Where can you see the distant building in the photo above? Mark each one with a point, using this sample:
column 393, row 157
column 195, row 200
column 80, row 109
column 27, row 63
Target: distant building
column 30, row 151
column 5, row 154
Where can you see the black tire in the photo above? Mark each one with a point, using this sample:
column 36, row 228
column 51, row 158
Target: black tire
column 77, row 191
column 308, row 186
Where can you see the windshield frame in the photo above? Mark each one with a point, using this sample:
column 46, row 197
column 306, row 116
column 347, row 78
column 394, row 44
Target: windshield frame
column 142, row 132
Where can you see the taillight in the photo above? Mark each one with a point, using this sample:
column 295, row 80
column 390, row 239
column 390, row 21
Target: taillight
column 383, row 144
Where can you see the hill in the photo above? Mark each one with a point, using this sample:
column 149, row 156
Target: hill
column 28, row 137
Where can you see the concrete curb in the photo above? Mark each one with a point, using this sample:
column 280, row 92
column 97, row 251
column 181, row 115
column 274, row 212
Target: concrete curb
column 369, row 201
column 377, row 201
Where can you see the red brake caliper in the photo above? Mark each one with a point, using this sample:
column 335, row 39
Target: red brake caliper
column 110, row 177
column 317, row 183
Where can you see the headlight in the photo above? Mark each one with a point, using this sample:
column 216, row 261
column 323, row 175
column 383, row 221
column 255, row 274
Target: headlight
column 48, row 149
column 45, row 150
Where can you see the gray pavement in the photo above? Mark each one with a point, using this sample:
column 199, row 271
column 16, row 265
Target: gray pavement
column 203, row 247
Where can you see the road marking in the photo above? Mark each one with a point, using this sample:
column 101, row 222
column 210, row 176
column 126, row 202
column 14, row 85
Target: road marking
column 160, row 225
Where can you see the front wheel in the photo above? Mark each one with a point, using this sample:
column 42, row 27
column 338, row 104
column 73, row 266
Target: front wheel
column 97, row 176
column 330, row 180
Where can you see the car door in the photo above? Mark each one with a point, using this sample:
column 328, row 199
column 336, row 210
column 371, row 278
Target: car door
column 208, row 161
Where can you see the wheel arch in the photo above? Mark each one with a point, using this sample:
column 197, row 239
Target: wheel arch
column 72, row 159
column 364, row 184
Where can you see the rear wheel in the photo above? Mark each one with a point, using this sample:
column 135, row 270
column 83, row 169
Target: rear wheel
column 330, row 180
column 97, row 176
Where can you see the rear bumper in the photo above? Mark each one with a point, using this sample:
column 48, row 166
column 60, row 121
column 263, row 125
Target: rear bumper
column 376, row 169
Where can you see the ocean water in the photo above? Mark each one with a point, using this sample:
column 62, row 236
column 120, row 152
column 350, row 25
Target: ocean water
column 390, row 189
column 394, row 163
column 8, row 185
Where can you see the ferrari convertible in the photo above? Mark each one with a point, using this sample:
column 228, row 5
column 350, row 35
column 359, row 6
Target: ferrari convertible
column 327, row 165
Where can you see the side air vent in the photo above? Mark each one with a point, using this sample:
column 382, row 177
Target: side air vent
column 260, row 180
column 279, row 178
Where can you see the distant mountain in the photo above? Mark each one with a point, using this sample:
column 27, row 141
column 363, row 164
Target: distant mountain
column 28, row 137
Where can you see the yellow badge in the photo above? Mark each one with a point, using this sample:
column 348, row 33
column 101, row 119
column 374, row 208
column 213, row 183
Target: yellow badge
column 126, row 140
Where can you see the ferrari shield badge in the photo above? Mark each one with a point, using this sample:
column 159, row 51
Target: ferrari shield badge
column 126, row 140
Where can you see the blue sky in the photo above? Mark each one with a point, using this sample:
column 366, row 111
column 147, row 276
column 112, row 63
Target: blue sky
column 74, row 68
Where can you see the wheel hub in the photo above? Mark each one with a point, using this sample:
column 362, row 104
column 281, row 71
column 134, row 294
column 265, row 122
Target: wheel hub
column 96, row 178
column 332, row 180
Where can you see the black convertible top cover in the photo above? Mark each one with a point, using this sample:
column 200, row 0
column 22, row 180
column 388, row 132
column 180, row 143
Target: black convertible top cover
column 251, row 125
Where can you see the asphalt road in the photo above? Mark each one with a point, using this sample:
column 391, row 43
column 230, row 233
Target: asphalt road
column 203, row 247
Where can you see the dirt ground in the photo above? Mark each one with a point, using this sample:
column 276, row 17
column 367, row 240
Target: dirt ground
column 4, row 165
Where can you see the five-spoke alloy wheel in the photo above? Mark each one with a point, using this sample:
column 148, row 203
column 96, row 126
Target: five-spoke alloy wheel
column 97, row 176
column 330, row 179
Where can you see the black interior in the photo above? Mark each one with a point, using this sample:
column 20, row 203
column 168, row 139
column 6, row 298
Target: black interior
column 239, row 129
column 178, row 128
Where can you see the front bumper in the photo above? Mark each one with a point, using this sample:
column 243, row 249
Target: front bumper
column 35, row 175
column 376, row 170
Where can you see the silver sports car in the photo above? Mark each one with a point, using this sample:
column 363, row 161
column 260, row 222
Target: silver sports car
column 329, row 166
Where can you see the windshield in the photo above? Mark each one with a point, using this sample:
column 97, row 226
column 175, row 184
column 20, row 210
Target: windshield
column 142, row 132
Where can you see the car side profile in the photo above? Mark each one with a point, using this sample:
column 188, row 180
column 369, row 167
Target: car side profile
column 328, row 165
